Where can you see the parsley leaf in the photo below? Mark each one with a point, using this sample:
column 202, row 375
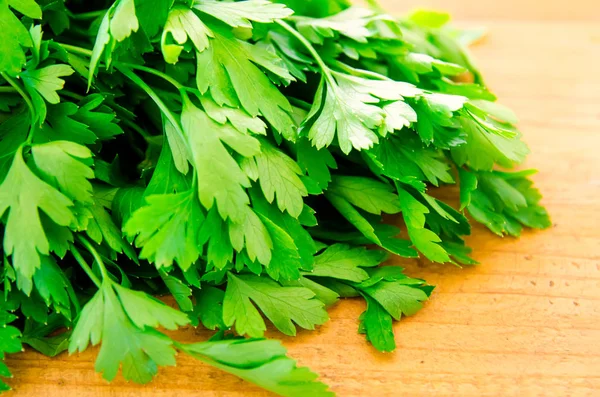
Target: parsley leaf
column 503, row 201
column 367, row 194
column 253, row 235
column 99, row 118
column 51, row 159
column 396, row 298
column 124, row 320
column 352, row 23
column 54, row 287
column 488, row 142
column 281, row 305
column 262, row 362
column 347, row 105
column 240, row 15
column 389, row 295
column 23, row 194
column 45, row 82
column 279, row 174
column 405, row 159
column 10, row 341
column 376, row 322
column 220, row 178
column 345, row 263
column 165, row 229
column 296, row 244
column 233, row 79
column 316, row 163
column 14, row 37
column 424, row 239
column 183, row 24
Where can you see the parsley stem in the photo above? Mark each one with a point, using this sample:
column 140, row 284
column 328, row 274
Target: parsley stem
column 96, row 256
column 71, row 94
column 161, row 105
column 21, row 92
column 136, row 128
column 88, row 53
column 299, row 104
column 87, row 15
column 324, row 68
column 77, row 255
column 155, row 72
column 353, row 71
column 7, row 90
column 76, row 50
column 80, row 31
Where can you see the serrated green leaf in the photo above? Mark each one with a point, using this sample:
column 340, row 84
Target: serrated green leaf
column 23, row 194
column 98, row 117
column 62, row 164
column 167, row 229
column 281, row 305
column 367, row 194
column 47, row 81
column 424, row 239
column 286, row 262
column 397, row 299
column 53, row 286
column 181, row 292
column 262, row 362
column 152, row 14
column 322, row 293
column 278, row 176
column 123, row 320
column 209, row 307
column 62, row 125
column 343, row 262
column 183, row 24
column 229, row 74
column 220, row 178
column 252, row 235
column 377, row 325
column 240, row 15
column 14, row 37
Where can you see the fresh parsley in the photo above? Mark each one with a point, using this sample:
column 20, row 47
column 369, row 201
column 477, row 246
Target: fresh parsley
column 239, row 157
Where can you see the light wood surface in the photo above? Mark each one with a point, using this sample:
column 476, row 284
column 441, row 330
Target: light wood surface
column 539, row 10
column 524, row 323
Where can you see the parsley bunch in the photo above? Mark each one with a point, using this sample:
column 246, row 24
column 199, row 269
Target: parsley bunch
column 238, row 156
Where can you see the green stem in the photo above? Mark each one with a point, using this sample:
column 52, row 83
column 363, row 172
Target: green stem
column 88, row 53
column 84, row 266
column 71, row 94
column 87, row 15
column 324, row 68
column 126, row 69
column 136, row 128
column 97, row 258
column 155, row 72
column 7, row 90
column 76, row 50
column 362, row 72
column 299, row 104
column 161, row 105
column 80, row 31
column 21, row 92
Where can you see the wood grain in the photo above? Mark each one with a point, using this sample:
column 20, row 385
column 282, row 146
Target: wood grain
column 524, row 323
column 554, row 10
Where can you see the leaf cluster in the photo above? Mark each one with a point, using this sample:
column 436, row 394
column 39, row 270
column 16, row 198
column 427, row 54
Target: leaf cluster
column 239, row 156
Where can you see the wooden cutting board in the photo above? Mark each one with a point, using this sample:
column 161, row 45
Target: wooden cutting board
column 527, row 321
